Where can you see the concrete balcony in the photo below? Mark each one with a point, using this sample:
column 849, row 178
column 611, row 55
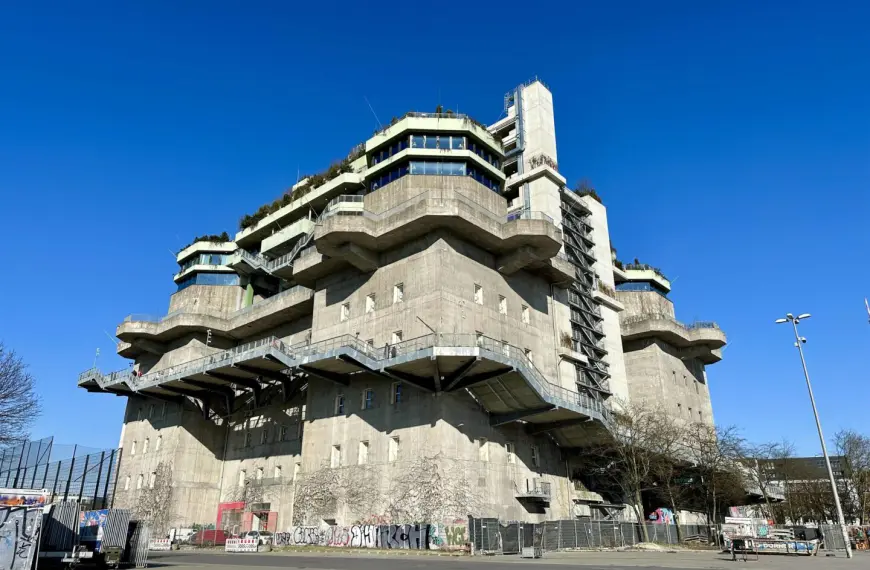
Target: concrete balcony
column 647, row 274
column 540, row 171
column 148, row 334
column 524, row 240
column 283, row 240
column 433, row 123
column 534, row 490
column 700, row 340
column 205, row 247
column 501, row 377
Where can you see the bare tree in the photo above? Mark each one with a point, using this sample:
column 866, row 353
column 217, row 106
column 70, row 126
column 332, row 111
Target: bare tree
column 431, row 489
column 627, row 460
column 19, row 404
column 763, row 464
column 672, row 469
column 716, row 454
column 854, row 451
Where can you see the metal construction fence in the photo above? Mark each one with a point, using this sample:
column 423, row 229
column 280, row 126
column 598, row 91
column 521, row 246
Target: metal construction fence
column 492, row 536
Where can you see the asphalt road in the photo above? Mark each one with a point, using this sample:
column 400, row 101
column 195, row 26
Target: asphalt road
column 211, row 560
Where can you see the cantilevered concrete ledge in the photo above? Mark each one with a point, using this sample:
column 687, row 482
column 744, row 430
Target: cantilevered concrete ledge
column 501, row 377
column 518, row 240
column 150, row 336
column 705, row 338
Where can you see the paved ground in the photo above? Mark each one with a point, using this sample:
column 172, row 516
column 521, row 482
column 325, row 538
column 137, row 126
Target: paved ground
column 216, row 560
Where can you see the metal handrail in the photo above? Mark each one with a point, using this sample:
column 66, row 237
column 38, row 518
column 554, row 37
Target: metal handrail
column 548, row 390
column 663, row 317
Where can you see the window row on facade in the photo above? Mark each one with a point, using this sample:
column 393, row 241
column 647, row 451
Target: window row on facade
column 438, row 141
column 368, row 399
column 140, row 481
column 206, row 259
column 438, row 168
column 209, row 279
column 283, row 433
column 146, row 444
column 336, row 457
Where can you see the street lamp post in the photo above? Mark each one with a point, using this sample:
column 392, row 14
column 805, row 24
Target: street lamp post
column 798, row 342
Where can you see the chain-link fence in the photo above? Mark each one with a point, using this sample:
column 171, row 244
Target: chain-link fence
column 492, row 536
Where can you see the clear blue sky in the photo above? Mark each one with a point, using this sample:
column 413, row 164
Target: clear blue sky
column 730, row 142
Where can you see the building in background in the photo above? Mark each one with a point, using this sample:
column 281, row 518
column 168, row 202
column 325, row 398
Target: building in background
column 422, row 332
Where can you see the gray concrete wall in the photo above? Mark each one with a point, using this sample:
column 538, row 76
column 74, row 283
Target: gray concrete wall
column 207, row 298
column 661, row 378
column 644, row 303
column 189, row 445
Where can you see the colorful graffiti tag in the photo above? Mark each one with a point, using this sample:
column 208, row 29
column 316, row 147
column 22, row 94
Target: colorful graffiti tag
column 22, row 498
column 393, row 536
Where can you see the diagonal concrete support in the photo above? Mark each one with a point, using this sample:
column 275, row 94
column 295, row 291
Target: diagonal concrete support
column 514, row 261
column 500, row 419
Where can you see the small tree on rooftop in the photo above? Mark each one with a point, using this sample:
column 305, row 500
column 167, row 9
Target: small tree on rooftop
column 584, row 188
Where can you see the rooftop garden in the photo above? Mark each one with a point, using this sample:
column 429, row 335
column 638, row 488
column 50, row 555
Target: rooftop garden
column 638, row 266
column 222, row 237
column 309, row 183
column 584, row 188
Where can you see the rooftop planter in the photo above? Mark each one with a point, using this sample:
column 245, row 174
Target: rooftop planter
column 638, row 266
column 222, row 237
column 309, row 183
column 583, row 188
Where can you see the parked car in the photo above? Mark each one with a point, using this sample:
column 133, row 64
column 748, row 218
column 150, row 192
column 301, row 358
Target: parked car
column 263, row 536
column 208, row 538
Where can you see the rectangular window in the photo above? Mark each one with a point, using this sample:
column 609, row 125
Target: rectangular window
column 431, row 142
column 690, row 414
column 335, row 457
column 680, row 410
column 145, row 446
column 397, row 337
column 259, row 473
column 133, row 448
column 345, row 312
column 248, row 439
column 525, row 315
column 509, row 450
column 370, row 303
column 528, row 354
column 396, row 393
column 264, row 436
column 159, row 441
column 502, row 305
column 151, row 411
column 393, row 450
column 482, row 449
column 505, row 348
column 685, row 382
column 458, row 143
column 368, row 399
column 282, row 433
column 478, row 294
column 277, row 472
column 363, row 454
column 675, row 376
column 371, row 342
column 296, row 469
column 536, row 456
column 139, row 481
column 417, row 141
column 398, row 293
column 698, row 391
column 339, row 405
column 701, row 419
column 163, row 410
column 127, row 483
column 478, row 337
column 242, row 476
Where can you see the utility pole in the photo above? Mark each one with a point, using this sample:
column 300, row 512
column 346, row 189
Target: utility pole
column 799, row 341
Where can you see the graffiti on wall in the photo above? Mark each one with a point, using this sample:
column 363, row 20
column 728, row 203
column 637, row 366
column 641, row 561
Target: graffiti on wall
column 392, row 536
column 19, row 529
column 662, row 515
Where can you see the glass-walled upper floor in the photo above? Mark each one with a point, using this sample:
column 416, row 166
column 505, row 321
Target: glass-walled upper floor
column 435, row 168
column 209, row 279
column 206, row 259
column 432, row 141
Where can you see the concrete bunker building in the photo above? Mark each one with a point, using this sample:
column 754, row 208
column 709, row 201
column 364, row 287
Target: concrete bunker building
column 423, row 332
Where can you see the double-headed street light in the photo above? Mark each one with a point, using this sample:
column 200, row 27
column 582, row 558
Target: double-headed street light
column 799, row 341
